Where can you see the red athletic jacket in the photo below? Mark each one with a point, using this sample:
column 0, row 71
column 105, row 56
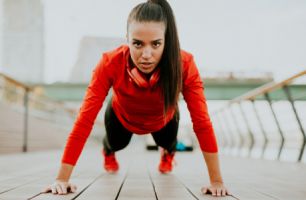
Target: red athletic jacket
column 140, row 110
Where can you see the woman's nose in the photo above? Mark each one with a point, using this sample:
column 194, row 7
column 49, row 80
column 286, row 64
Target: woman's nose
column 147, row 53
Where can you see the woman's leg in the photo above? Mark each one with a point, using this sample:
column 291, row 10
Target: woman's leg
column 117, row 137
column 167, row 136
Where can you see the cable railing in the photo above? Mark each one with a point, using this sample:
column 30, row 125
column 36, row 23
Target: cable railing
column 267, row 122
column 19, row 102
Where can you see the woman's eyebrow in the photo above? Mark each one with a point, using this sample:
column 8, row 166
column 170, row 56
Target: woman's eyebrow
column 158, row 40
column 137, row 40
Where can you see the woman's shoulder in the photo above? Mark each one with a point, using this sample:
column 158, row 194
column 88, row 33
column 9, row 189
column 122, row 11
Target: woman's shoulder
column 186, row 56
column 117, row 54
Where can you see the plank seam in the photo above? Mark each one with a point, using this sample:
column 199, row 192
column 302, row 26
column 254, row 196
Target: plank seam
column 40, row 193
column 117, row 196
column 152, row 183
column 18, row 186
column 195, row 195
column 264, row 193
column 86, row 187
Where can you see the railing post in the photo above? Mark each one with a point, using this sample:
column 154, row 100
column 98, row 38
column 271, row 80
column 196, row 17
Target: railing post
column 248, row 128
column 231, row 135
column 241, row 140
column 261, row 127
column 290, row 99
column 219, row 131
column 226, row 143
column 267, row 97
column 26, row 120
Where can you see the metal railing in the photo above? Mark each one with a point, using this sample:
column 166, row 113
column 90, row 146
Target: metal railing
column 23, row 97
column 273, row 114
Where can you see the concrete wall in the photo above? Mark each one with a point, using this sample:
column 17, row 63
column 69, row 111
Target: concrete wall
column 22, row 35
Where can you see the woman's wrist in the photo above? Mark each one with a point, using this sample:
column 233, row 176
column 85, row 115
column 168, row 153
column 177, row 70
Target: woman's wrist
column 217, row 181
column 64, row 172
column 61, row 179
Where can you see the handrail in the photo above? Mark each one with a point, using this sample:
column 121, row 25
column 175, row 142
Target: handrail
column 31, row 89
column 26, row 98
column 15, row 82
column 250, row 97
column 269, row 87
column 30, row 98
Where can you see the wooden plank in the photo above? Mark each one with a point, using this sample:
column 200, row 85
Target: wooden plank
column 13, row 183
column 53, row 157
column 167, row 186
column 198, row 177
column 137, row 184
column 82, row 178
column 105, row 187
column 108, row 185
column 246, row 178
column 286, row 190
column 82, row 183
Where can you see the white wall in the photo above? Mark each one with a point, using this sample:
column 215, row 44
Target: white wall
column 236, row 35
column 22, row 39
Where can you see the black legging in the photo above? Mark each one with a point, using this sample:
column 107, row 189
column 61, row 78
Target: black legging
column 118, row 137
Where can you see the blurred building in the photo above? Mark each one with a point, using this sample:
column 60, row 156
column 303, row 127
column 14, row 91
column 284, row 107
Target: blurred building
column 22, row 39
column 90, row 52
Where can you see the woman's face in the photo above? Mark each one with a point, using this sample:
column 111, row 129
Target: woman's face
column 146, row 41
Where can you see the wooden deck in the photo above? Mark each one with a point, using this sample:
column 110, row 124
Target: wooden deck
column 23, row 176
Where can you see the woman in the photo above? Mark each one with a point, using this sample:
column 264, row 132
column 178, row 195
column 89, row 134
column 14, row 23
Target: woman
column 147, row 77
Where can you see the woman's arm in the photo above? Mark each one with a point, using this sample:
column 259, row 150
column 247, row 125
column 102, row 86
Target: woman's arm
column 65, row 172
column 213, row 167
column 193, row 92
column 101, row 82
column 216, row 187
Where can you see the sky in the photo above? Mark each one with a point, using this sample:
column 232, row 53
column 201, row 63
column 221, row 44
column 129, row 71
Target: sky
column 237, row 35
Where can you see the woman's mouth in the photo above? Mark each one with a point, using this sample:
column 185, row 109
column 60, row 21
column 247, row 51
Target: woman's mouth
column 146, row 65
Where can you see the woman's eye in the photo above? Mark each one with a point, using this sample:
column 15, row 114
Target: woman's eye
column 156, row 44
column 137, row 44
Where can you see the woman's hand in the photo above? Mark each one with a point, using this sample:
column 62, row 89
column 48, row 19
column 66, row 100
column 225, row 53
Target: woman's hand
column 60, row 187
column 216, row 189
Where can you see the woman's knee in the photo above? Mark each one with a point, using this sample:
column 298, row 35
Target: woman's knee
column 120, row 144
column 116, row 144
column 166, row 142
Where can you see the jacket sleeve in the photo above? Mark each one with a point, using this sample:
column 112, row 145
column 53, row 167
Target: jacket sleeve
column 97, row 90
column 193, row 92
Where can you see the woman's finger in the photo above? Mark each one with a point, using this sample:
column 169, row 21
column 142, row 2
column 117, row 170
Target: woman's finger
column 213, row 191
column 63, row 188
column 219, row 191
column 53, row 190
column 223, row 192
column 204, row 190
column 73, row 188
column 46, row 190
column 59, row 189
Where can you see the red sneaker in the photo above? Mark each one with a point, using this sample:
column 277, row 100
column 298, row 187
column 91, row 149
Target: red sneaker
column 110, row 163
column 166, row 162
